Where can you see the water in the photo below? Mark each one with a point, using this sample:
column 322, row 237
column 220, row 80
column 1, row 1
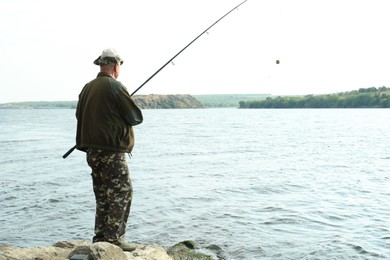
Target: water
column 244, row 184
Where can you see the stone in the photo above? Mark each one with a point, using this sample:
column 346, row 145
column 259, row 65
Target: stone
column 98, row 251
column 36, row 253
column 186, row 250
column 106, row 251
column 148, row 252
column 83, row 250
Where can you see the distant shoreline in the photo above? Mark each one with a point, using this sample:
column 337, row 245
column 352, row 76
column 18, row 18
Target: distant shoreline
column 362, row 98
column 152, row 102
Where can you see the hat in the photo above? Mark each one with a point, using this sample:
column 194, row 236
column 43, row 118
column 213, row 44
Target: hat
column 108, row 56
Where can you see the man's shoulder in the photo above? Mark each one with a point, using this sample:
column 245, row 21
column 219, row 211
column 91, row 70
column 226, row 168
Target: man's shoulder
column 116, row 85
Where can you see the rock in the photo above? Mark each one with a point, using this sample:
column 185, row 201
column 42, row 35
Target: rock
column 147, row 252
column 70, row 244
column 36, row 253
column 106, row 251
column 166, row 101
column 186, row 251
column 83, row 250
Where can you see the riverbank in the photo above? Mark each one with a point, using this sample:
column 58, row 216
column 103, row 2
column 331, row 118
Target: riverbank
column 83, row 250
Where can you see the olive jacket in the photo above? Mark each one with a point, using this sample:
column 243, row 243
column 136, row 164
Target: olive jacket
column 106, row 115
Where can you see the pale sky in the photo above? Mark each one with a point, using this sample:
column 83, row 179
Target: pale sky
column 324, row 46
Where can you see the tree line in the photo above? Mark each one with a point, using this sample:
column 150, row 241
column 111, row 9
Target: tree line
column 363, row 98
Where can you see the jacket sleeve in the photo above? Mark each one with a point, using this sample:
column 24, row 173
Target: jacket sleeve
column 79, row 119
column 129, row 111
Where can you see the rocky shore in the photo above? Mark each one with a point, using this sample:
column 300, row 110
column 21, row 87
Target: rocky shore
column 83, row 250
column 166, row 101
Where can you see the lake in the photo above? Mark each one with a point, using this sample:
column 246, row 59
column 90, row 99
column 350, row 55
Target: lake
column 243, row 184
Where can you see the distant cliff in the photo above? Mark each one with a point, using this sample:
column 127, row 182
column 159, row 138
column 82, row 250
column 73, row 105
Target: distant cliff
column 143, row 101
column 166, row 101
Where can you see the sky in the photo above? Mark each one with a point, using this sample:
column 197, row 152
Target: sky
column 324, row 46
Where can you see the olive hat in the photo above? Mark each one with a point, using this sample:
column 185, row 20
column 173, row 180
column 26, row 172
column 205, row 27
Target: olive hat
column 108, row 56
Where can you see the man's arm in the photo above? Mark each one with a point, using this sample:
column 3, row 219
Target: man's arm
column 130, row 112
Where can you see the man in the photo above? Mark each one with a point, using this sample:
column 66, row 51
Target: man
column 105, row 116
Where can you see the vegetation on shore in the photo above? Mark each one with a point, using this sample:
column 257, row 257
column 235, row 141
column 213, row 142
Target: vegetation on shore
column 227, row 100
column 40, row 105
column 363, row 98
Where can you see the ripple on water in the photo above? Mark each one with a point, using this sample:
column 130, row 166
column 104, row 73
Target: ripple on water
column 259, row 184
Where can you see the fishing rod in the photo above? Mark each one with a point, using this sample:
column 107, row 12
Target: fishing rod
column 177, row 54
column 169, row 61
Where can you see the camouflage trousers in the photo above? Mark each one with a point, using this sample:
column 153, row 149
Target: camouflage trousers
column 113, row 194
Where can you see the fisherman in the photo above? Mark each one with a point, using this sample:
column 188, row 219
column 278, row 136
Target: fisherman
column 105, row 116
